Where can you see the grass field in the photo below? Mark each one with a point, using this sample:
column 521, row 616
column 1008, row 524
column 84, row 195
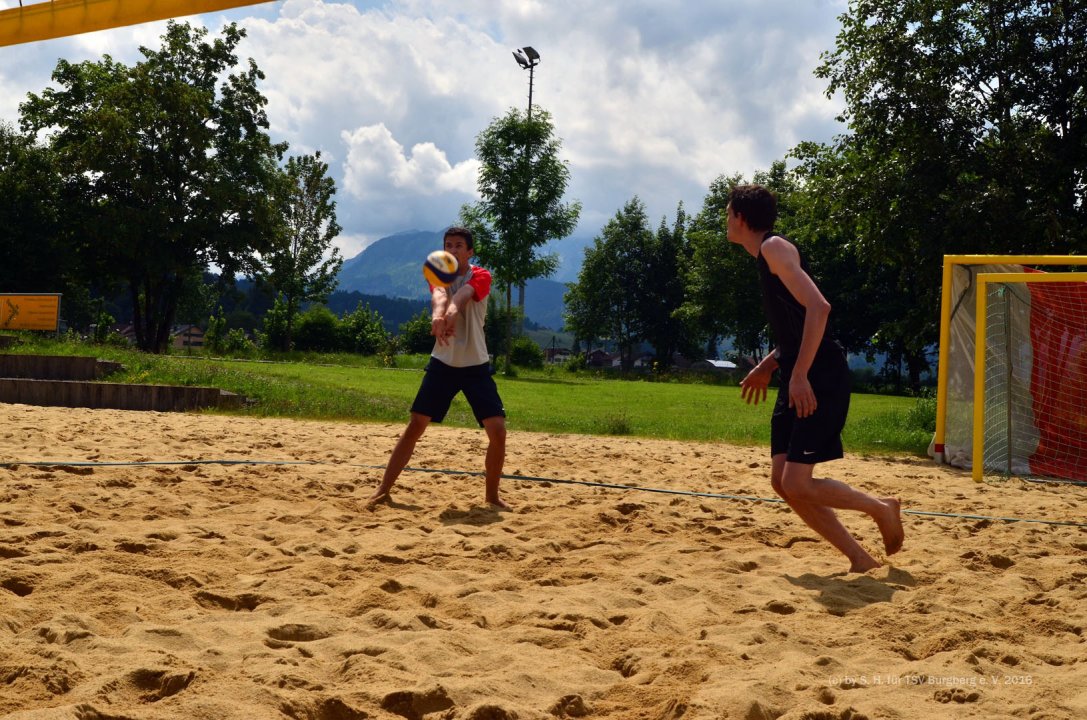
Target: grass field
column 357, row 389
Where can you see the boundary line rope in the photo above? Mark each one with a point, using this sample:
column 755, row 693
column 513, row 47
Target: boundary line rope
column 528, row 478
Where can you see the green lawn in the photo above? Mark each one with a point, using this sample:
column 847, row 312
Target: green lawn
column 552, row 400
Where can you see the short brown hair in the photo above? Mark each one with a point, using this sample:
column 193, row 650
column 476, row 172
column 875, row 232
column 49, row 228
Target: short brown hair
column 756, row 204
column 463, row 232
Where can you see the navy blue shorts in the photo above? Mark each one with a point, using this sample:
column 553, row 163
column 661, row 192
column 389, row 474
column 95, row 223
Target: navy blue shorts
column 442, row 382
column 818, row 437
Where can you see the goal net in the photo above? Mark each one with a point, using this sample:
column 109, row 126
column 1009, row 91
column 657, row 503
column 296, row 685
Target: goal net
column 1013, row 370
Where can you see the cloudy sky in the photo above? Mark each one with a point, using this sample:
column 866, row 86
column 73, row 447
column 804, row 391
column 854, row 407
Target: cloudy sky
column 653, row 98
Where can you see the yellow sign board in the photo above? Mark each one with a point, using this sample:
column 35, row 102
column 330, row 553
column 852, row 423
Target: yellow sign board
column 38, row 311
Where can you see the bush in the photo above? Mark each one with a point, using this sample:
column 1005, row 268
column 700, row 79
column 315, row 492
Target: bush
column 237, row 343
column 103, row 322
column 415, row 334
column 364, row 331
column 616, row 425
column 499, row 318
column 526, row 353
column 275, row 327
column 577, row 363
column 922, row 416
column 216, row 333
column 318, row 330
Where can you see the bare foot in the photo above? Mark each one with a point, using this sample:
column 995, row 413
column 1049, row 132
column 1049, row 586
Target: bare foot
column 890, row 525
column 864, row 564
column 377, row 497
column 499, row 503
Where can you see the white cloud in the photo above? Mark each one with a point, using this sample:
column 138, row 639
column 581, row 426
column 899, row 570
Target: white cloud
column 350, row 244
column 653, row 98
column 377, row 163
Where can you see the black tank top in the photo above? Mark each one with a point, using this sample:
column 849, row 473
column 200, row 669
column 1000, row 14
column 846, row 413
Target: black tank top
column 785, row 314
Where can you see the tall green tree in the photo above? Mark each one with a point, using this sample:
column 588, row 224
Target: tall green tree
column 31, row 242
column 302, row 264
column 171, row 163
column 967, row 134
column 663, row 291
column 723, row 296
column 606, row 301
column 522, row 182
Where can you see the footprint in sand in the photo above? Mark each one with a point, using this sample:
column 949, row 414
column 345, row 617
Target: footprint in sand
column 294, row 632
column 414, row 704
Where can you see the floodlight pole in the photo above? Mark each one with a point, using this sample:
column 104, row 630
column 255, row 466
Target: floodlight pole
column 531, row 77
column 528, row 59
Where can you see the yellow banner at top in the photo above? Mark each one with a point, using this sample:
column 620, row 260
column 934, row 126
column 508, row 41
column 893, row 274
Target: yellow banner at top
column 60, row 18
column 38, row 311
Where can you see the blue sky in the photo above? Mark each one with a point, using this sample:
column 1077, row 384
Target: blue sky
column 653, row 98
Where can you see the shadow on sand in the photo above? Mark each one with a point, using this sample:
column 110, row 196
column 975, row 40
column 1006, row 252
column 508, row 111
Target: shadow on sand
column 842, row 593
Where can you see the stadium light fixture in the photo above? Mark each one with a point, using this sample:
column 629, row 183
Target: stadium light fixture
column 528, row 59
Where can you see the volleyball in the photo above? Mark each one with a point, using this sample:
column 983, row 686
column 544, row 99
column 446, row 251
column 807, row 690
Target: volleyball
column 440, row 268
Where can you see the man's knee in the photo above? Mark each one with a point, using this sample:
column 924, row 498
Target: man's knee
column 776, row 483
column 777, row 472
column 416, row 425
column 798, row 487
column 496, row 428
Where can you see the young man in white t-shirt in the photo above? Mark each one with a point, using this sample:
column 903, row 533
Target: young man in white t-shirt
column 458, row 363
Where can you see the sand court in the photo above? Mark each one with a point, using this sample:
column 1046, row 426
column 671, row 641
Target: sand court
column 265, row 588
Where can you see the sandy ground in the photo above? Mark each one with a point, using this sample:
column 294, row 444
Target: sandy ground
column 261, row 590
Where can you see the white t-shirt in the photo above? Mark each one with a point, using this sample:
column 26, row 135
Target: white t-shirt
column 468, row 346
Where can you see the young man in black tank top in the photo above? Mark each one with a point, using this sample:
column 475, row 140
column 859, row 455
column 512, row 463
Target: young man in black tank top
column 814, row 395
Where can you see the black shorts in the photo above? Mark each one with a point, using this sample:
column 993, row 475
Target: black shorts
column 442, row 382
column 818, row 437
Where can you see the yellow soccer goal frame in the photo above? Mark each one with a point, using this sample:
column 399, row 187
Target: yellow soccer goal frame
column 946, row 304
column 977, row 466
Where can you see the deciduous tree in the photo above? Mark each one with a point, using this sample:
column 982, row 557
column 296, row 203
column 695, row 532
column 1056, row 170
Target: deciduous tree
column 522, row 182
column 606, row 301
column 169, row 165
column 302, row 264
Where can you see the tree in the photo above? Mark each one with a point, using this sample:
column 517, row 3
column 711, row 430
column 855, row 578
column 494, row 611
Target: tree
column 723, row 298
column 522, row 181
column 299, row 266
column 663, row 291
column 606, row 302
column 415, row 334
column 34, row 242
column 168, row 164
column 968, row 134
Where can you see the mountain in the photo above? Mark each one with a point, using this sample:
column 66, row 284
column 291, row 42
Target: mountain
column 392, row 267
column 571, row 252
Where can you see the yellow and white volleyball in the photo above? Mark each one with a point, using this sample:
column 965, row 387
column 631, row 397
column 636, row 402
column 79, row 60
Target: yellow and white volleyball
column 440, row 268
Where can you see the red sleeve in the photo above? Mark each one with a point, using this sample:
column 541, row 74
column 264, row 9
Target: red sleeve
column 480, row 282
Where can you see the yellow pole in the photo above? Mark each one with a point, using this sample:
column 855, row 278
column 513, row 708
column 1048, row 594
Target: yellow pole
column 60, row 18
column 941, row 365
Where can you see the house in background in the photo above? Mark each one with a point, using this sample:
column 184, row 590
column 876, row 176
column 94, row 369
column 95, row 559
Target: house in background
column 556, row 356
column 602, row 359
column 187, row 336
